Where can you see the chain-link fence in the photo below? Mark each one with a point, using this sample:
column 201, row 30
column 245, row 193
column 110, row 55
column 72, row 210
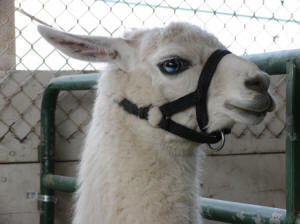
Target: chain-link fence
column 244, row 26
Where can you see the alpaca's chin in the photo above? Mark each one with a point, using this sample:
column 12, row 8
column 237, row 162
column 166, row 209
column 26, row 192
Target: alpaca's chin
column 246, row 116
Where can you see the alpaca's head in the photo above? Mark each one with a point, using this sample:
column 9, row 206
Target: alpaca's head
column 171, row 60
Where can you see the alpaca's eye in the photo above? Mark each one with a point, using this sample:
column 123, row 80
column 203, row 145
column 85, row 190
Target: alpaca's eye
column 174, row 66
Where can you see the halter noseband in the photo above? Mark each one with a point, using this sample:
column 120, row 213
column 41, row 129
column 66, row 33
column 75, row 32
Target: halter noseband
column 197, row 98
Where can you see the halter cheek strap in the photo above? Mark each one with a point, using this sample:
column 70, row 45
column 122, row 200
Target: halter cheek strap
column 197, row 98
column 203, row 84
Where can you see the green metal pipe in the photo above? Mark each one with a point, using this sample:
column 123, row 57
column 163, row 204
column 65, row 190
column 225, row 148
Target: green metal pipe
column 274, row 63
column 60, row 183
column 75, row 82
column 292, row 142
column 47, row 144
column 237, row 213
column 47, row 152
column 219, row 210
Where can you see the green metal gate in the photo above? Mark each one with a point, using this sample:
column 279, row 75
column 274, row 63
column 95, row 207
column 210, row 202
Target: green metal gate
column 281, row 62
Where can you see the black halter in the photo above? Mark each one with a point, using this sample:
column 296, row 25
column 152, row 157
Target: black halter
column 197, row 98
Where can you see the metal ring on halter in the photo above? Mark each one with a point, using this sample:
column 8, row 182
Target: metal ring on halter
column 219, row 146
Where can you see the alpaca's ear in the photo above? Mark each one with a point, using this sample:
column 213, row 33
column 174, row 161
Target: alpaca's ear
column 90, row 48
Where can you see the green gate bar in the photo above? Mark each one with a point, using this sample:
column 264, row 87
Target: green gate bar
column 280, row 62
column 218, row 210
column 293, row 141
column 47, row 144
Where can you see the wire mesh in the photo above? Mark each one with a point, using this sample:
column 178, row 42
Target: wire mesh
column 244, row 26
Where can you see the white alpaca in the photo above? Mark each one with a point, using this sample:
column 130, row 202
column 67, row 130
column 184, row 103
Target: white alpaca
column 133, row 172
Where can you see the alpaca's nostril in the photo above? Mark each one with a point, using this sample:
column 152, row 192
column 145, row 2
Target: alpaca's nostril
column 258, row 83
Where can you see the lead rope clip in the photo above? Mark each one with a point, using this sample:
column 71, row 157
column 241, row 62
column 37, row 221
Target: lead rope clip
column 220, row 145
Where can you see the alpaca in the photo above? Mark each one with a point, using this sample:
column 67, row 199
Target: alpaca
column 132, row 171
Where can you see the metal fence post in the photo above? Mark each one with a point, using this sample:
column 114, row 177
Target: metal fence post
column 292, row 142
column 47, row 152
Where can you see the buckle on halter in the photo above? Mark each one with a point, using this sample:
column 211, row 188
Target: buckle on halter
column 220, row 145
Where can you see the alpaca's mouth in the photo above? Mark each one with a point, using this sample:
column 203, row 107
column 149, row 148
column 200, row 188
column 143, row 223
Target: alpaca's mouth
column 245, row 111
column 251, row 111
column 261, row 104
column 245, row 115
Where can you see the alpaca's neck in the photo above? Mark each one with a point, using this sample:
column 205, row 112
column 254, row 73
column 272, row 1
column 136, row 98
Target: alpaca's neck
column 131, row 173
